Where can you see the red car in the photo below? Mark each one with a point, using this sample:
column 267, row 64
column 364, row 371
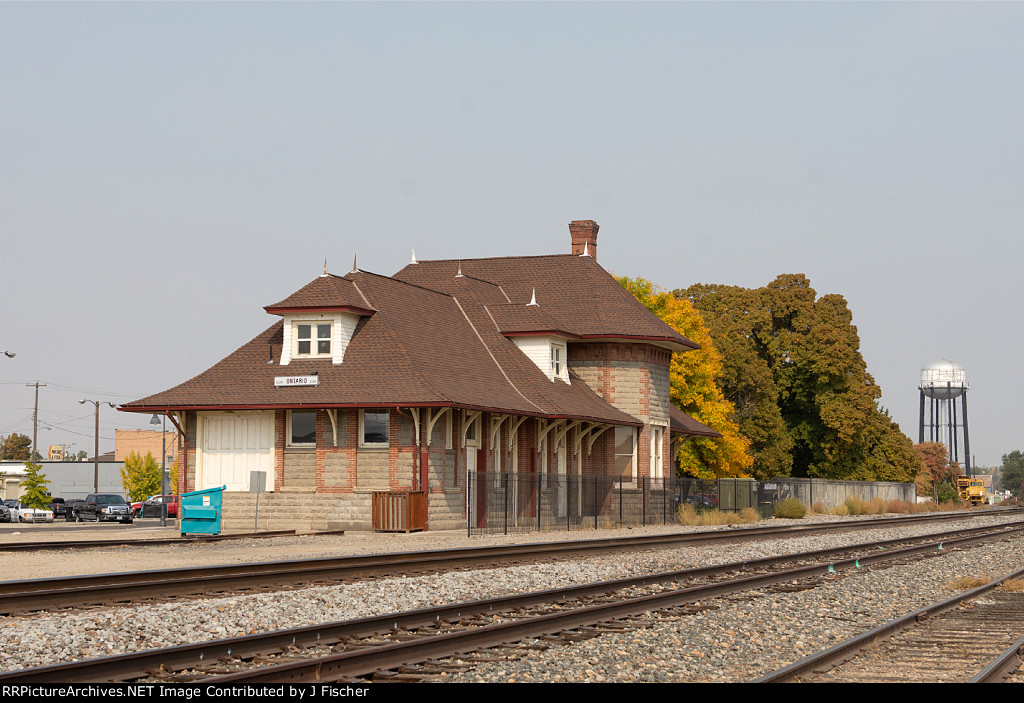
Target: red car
column 151, row 506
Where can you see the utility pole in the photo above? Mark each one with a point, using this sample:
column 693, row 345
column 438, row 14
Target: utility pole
column 35, row 418
column 96, row 451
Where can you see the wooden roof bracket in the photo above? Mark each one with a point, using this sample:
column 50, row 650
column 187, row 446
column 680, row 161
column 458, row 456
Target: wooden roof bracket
column 594, row 436
column 178, row 420
column 495, row 428
column 514, row 429
column 468, row 418
column 561, row 432
column 432, row 420
column 542, row 433
column 333, row 414
column 415, row 413
column 580, row 435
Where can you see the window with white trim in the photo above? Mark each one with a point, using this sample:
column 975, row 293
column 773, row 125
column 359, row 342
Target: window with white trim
column 557, row 359
column 657, row 461
column 311, row 339
column 625, row 454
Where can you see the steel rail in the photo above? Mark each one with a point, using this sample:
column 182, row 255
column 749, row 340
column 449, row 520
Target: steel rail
column 844, row 651
column 135, row 665
column 64, row 592
column 1002, row 666
column 155, row 541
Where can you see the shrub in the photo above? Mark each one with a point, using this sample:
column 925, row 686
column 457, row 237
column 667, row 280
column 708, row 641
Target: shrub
column 947, row 493
column 818, row 508
column 749, row 516
column 790, row 508
column 1013, row 585
column 714, row 517
column 687, row 515
column 897, row 506
column 840, row 510
column 876, row 506
column 966, row 583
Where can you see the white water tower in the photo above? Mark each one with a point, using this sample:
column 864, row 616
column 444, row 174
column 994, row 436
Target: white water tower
column 942, row 383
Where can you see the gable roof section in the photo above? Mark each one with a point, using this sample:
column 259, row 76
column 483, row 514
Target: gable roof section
column 419, row 347
column 322, row 294
column 574, row 291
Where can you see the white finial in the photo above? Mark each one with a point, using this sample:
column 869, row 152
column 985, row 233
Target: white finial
column 533, row 299
column 355, row 267
column 322, row 275
column 585, row 251
column 414, row 257
column 459, row 274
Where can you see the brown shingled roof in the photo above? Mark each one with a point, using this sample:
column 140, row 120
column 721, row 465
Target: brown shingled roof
column 573, row 290
column 681, row 423
column 324, row 293
column 430, row 337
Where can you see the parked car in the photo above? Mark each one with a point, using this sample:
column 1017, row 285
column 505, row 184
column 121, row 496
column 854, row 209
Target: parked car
column 5, row 513
column 700, row 501
column 151, row 506
column 59, row 508
column 23, row 513
column 102, row 507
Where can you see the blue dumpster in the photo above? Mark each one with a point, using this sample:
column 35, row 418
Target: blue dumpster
column 201, row 511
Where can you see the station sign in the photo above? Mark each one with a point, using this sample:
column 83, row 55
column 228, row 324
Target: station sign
column 284, row 381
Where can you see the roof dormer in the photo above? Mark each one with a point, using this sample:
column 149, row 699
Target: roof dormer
column 320, row 319
column 536, row 334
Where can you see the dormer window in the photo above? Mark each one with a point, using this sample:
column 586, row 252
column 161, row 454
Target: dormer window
column 312, row 339
column 311, row 336
column 548, row 353
column 557, row 359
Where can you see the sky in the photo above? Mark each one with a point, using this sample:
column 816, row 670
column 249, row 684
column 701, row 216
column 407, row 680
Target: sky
column 168, row 169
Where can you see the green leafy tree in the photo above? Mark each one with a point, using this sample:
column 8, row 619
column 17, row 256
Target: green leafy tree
column 140, row 476
column 825, row 397
column 34, row 487
column 1011, row 475
column 172, row 477
column 731, row 313
column 946, row 493
column 16, row 447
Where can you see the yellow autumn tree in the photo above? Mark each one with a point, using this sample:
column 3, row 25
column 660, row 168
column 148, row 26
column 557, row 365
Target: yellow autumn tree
column 694, row 389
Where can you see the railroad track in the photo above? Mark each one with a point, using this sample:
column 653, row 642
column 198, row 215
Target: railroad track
column 24, row 596
column 156, row 541
column 395, row 642
column 974, row 637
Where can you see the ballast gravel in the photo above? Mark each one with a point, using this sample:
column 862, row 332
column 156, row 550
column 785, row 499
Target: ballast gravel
column 740, row 638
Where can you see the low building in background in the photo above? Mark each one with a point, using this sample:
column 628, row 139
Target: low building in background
column 144, row 442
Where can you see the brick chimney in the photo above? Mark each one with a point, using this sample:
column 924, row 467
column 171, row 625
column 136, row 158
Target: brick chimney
column 584, row 232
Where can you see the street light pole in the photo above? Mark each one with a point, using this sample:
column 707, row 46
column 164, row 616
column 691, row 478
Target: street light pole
column 96, row 451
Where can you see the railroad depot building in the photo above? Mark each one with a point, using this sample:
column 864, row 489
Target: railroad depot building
column 365, row 383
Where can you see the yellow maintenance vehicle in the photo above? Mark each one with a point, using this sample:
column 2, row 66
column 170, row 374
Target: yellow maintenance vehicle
column 971, row 490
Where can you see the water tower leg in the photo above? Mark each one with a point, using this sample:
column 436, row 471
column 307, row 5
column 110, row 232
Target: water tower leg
column 967, row 440
column 920, row 424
